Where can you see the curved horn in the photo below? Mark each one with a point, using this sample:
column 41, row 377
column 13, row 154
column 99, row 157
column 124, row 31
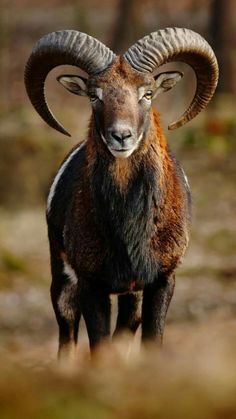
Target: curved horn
column 59, row 48
column 179, row 44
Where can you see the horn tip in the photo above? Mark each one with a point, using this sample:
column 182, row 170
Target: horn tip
column 173, row 126
column 67, row 134
column 62, row 130
column 177, row 124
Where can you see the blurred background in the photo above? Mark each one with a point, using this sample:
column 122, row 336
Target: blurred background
column 30, row 153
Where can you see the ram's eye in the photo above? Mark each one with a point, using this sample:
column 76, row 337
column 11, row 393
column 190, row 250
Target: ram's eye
column 93, row 97
column 148, row 95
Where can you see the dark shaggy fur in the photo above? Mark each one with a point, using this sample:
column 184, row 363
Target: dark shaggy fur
column 119, row 226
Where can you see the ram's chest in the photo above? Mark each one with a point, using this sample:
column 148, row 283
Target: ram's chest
column 125, row 219
column 125, row 236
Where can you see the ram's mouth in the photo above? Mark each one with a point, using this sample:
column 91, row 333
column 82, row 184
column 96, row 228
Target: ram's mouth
column 122, row 152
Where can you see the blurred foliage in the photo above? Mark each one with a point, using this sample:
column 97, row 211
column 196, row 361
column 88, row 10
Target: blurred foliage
column 217, row 136
column 151, row 385
column 222, row 241
column 28, row 160
column 10, row 262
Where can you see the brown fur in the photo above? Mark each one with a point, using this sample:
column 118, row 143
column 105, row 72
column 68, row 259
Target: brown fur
column 121, row 170
column 112, row 245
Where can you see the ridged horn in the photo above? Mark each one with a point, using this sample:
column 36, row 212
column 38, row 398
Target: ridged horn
column 60, row 48
column 179, row 44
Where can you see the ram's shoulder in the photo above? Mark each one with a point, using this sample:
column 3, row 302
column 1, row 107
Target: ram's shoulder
column 68, row 174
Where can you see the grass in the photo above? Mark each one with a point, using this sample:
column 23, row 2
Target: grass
column 148, row 384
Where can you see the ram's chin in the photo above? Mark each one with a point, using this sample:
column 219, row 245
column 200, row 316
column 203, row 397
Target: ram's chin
column 124, row 154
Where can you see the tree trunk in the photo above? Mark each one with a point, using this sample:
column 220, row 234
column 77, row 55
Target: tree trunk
column 223, row 40
column 126, row 25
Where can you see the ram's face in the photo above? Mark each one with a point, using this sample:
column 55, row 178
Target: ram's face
column 121, row 100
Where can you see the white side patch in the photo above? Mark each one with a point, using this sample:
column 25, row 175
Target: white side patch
column 66, row 302
column 70, row 273
column 59, row 174
column 185, row 179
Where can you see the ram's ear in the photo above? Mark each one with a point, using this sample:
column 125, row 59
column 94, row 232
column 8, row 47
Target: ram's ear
column 165, row 81
column 75, row 84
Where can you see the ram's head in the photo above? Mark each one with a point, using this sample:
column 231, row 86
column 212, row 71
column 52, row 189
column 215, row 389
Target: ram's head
column 121, row 88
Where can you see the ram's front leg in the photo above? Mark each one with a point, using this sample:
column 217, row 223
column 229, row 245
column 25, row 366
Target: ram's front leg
column 129, row 313
column 156, row 300
column 96, row 310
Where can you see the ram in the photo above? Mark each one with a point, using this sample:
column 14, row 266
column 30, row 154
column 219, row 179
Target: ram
column 119, row 207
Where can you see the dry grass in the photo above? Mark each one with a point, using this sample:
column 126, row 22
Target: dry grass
column 193, row 377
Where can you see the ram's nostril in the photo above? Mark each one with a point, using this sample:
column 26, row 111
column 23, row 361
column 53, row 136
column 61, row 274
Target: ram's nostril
column 126, row 134
column 121, row 135
column 116, row 135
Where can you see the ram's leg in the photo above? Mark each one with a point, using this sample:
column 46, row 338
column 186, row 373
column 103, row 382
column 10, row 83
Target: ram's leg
column 96, row 311
column 65, row 304
column 156, row 300
column 65, row 301
column 129, row 313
